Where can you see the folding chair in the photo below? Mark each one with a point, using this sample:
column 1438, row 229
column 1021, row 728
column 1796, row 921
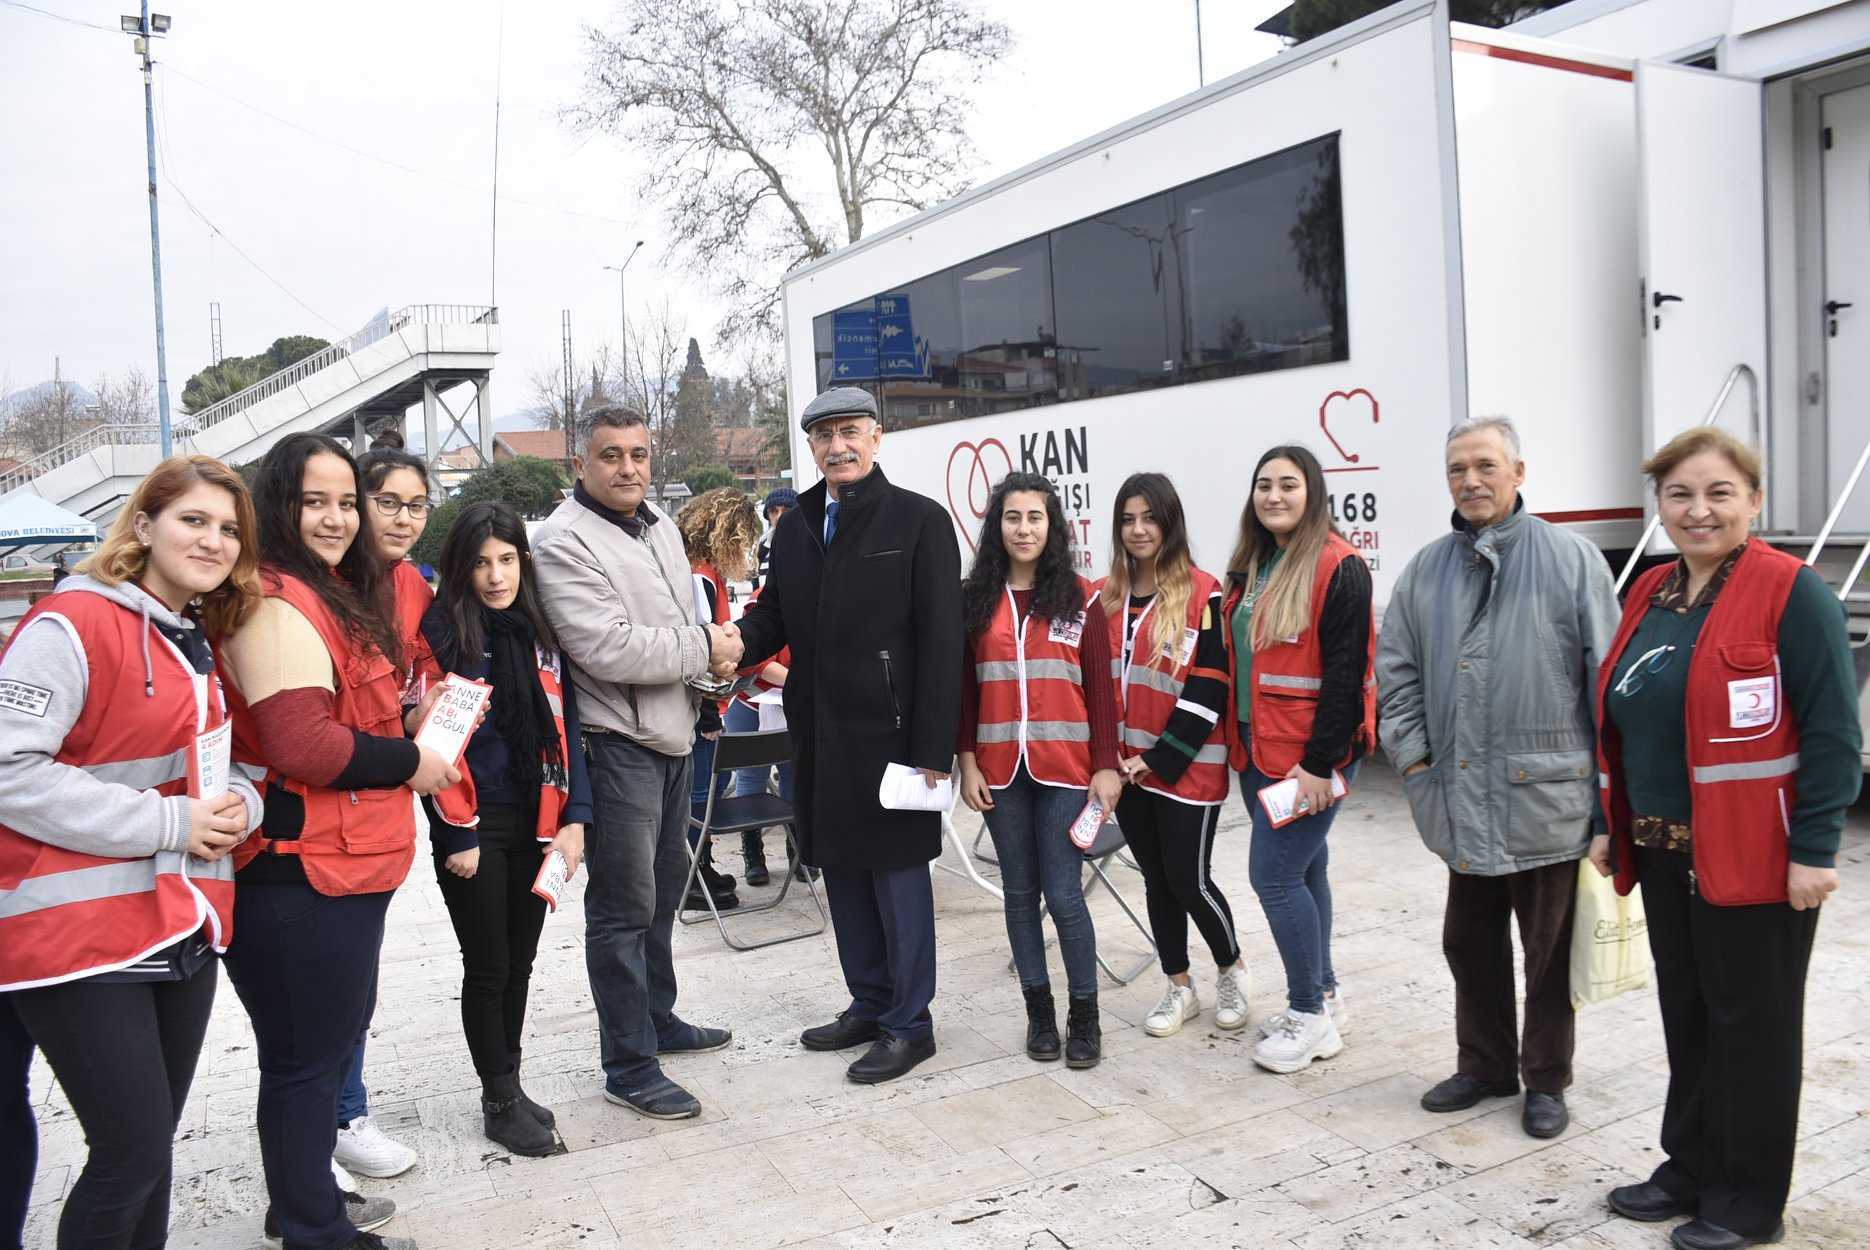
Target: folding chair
column 745, row 814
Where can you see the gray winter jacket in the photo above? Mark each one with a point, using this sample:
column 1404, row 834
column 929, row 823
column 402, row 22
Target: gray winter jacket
column 1487, row 672
column 623, row 608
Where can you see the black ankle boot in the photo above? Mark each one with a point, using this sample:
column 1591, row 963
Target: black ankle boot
column 753, row 851
column 1041, row 1025
column 1085, row 1045
column 542, row 1114
column 506, row 1121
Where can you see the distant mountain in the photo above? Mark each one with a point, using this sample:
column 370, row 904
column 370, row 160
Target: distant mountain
column 26, row 395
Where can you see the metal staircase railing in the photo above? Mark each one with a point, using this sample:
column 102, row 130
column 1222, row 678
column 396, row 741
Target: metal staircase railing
column 1831, row 521
column 267, row 387
column 1720, row 401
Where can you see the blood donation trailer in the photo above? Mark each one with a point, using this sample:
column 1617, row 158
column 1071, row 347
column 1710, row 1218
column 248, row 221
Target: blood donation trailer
column 1381, row 231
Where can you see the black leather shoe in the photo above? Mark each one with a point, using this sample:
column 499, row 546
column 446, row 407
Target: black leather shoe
column 1701, row 1235
column 1545, row 1114
column 1461, row 1091
column 800, row 871
column 695, row 900
column 1648, row 1202
column 1041, row 1025
column 890, row 1057
column 841, row 1034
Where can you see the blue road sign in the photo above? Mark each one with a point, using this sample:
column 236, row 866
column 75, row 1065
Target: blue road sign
column 854, row 345
column 898, row 354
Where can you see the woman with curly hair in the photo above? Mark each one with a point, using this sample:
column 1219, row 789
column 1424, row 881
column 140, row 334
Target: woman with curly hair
column 1038, row 729
column 720, row 528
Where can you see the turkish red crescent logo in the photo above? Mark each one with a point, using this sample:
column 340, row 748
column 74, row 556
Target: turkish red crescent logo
column 973, row 471
column 1352, row 403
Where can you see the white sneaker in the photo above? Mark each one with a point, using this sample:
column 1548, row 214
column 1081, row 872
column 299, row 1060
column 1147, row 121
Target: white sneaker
column 1232, row 988
column 1301, row 1037
column 1178, row 1005
column 1334, row 1003
column 363, row 1147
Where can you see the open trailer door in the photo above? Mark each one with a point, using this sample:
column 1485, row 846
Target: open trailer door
column 1702, row 234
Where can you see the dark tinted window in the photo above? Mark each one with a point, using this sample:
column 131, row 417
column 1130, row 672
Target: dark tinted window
column 1116, row 287
column 1262, row 255
column 1006, row 324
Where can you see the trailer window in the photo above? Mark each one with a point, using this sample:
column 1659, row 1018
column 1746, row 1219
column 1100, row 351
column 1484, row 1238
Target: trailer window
column 1262, row 255
column 1116, row 285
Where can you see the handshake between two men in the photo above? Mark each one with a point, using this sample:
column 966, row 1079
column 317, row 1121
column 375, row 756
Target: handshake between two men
column 724, row 649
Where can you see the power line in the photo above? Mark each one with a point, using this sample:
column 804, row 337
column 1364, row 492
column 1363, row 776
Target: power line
column 59, row 17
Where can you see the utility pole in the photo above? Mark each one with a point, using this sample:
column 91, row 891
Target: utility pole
column 1201, row 68
column 623, row 310
column 146, row 27
column 571, row 388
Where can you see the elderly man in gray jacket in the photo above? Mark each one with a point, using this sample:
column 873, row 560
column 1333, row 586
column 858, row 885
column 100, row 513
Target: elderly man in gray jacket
column 1486, row 677
column 613, row 579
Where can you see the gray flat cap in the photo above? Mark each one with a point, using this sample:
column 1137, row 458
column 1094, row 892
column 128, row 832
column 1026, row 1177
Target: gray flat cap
column 839, row 401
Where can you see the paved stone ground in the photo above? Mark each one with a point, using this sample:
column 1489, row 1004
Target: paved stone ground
column 1169, row 1143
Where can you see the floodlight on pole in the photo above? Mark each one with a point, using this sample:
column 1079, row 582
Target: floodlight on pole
column 623, row 309
column 146, row 26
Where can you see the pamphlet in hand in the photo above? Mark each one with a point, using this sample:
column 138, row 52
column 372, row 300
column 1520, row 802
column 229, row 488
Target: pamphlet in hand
column 210, row 763
column 453, row 716
column 1281, row 799
column 903, row 790
column 553, row 874
column 1084, row 828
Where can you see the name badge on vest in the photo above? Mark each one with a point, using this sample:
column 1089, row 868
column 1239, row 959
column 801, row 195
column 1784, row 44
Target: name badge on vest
column 1188, row 646
column 1067, row 631
column 1752, row 702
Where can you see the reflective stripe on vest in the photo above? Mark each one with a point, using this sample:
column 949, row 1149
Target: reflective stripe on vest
column 1149, row 692
column 1784, row 766
column 1032, row 704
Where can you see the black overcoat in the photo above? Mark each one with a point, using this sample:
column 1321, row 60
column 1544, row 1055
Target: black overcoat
column 874, row 623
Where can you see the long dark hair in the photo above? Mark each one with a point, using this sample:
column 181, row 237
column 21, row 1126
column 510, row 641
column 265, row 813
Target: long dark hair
column 1173, row 562
column 1055, row 593
column 359, row 597
column 460, row 606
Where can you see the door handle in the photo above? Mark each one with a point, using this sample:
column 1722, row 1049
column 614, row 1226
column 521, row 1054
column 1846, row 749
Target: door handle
column 1659, row 299
column 1833, row 305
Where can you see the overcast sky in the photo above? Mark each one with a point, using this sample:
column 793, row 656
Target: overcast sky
column 386, row 201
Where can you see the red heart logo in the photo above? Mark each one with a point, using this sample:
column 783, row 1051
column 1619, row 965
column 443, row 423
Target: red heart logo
column 1351, row 408
column 976, row 462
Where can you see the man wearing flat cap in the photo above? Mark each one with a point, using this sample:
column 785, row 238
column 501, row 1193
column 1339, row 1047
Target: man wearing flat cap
column 865, row 587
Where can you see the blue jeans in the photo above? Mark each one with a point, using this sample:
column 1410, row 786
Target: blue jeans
column 637, row 855
column 1287, row 869
column 742, row 719
column 353, row 1098
column 19, row 1134
column 884, row 923
column 1030, row 824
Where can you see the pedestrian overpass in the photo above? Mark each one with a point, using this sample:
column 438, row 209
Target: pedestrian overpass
column 421, row 354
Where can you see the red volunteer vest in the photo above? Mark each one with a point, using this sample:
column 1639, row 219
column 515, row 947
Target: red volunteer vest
column 413, row 598
column 1147, row 691
column 1743, row 745
column 1287, row 677
column 459, row 805
column 68, row 914
column 1032, row 702
column 784, row 659
column 352, row 841
column 722, row 610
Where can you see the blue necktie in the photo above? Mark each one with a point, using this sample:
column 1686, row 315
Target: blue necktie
column 831, row 521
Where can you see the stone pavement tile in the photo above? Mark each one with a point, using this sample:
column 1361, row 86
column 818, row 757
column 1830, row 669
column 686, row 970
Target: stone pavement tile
column 1116, row 1132
column 1605, row 1098
column 1350, row 1189
column 880, row 1143
column 1225, row 1104
column 1832, row 1218
column 1003, row 1112
column 1483, row 1142
column 1829, row 1157
column 1841, row 1068
column 1632, row 1147
column 1363, row 1060
column 1251, row 1223
column 592, row 1120
column 1250, row 1155
column 1109, row 1200
column 987, row 1222
column 676, row 1188
column 1384, row 1112
column 887, row 1196
column 566, row 1216
column 512, row 1176
column 1192, row 1062
column 1420, row 1223
column 771, row 1221
column 48, row 1184
column 1544, row 1197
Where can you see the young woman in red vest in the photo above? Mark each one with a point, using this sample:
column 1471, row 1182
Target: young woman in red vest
column 720, row 529
column 523, row 793
column 1038, row 732
column 1729, row 754
column 1300, row 648
column 320, row 671
column 1171, row 679
column 113, row 850
column 396, row 493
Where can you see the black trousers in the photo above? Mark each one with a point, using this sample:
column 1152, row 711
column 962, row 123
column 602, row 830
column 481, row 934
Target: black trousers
column 1479, row 949
column 497, row 919
column 19, row 1133
column 125, row 1054
column 1731, row 982
column 1174, row 846
column 305, row 967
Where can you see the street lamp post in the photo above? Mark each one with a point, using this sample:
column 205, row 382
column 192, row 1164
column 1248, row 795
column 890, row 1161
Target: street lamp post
column 145, row 27
column 623, row 310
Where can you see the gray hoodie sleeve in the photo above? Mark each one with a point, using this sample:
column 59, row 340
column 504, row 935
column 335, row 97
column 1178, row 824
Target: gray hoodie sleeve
column 43, row 677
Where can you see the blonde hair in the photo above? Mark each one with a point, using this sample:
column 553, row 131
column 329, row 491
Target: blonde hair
column 1173, row 563
column 1284, row 609
column 122, row 557
column 721, row 527
column 1691, row 443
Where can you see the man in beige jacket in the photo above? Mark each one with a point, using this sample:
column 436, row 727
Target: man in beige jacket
column 613, row 579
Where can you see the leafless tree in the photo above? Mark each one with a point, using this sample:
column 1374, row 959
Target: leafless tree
column 600, row 370
column 45, row 417
column 773, row 128
column 126, row 399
